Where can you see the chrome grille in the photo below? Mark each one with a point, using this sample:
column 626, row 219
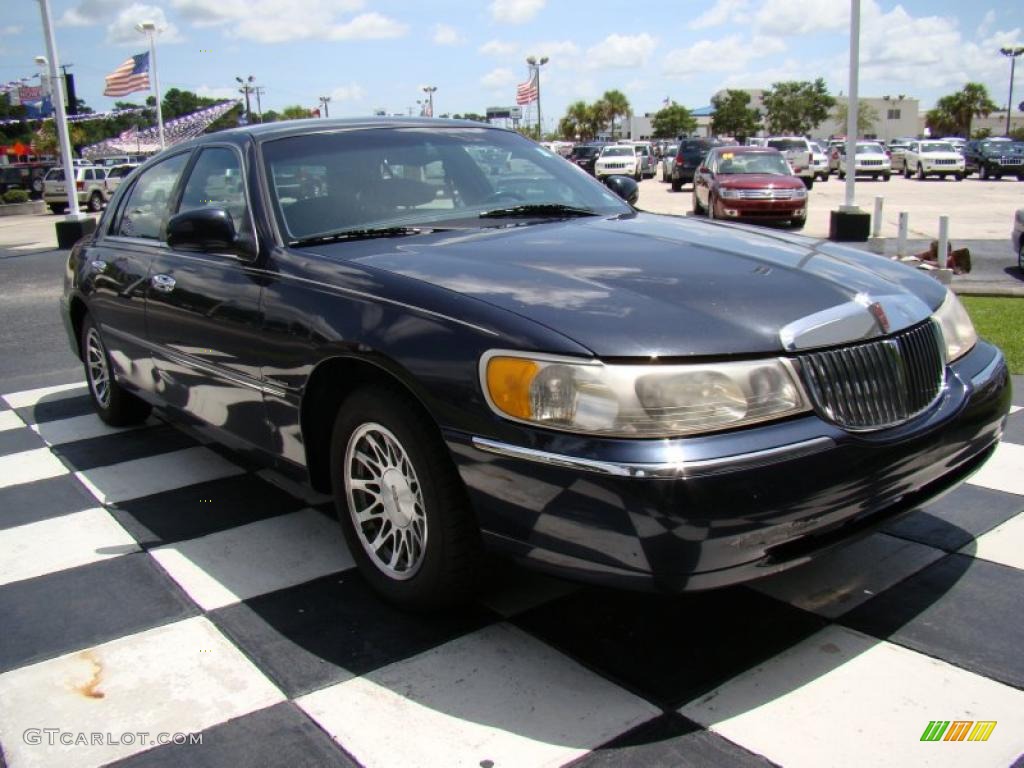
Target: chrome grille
column 878, row 383
column 765, row 194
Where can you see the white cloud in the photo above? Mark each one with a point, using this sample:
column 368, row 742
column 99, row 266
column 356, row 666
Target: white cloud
column 621, row 52
column 497, row 48
column 803, row 17
column 350, row 92
column 123, row 32
column 217, row 92
column 986, row 23
column 721, row 12
column 10, row 31
column 556, row 49
column 729, row 54
column 445, row 35
column 368, row 26
column 515, row 11
column 499, row 78
column 90, row 12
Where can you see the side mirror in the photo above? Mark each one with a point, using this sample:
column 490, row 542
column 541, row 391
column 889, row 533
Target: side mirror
column 624, row 187
column 206, row 230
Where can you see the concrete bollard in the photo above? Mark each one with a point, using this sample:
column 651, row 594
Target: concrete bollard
column 942, row 256
column 901, row 235
column 876, row 219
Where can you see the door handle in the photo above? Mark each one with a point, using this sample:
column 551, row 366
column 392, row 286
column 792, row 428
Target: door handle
column 98, row 266
column 162, row 283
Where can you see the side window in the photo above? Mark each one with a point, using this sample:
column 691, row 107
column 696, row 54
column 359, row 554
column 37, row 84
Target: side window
column 216, row 182
column 101, row 174
column 148, row 206
column 87, row 176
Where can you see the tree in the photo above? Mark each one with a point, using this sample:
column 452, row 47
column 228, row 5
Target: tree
column 795, row 107
column 577, row 122
column 867, row 116
column 612, row 105
column 953, row 114
column 294, row 112
column 732, row 115
column 674, row 120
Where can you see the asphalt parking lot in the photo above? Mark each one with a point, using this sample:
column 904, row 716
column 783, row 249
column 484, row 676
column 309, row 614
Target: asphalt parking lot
column 152, row 582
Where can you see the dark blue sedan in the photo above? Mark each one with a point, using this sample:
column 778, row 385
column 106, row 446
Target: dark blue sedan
column 474, row 345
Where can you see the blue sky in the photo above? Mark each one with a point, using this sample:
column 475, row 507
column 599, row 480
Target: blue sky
column 369, row 54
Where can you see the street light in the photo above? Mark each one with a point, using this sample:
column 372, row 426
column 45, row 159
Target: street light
column 429, row 90
column 1012, row 53
column 535, row 65
column 150, row 29
column 324, row 101
column 247, row 88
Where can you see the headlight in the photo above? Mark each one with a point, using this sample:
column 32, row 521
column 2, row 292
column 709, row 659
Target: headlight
column 957, row 328
column 638, row 400
column 800, row 194
column 730, row 194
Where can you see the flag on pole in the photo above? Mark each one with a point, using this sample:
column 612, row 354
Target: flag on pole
column 666, row 102
column 132, row 75
column 526, row 93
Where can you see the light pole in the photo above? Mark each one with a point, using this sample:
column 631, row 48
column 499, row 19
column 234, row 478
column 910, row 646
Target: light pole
column 149, row 28
column 247, row 88
column 535, row 65
column 324, row 100
column 429, row 90
column 1012, row 53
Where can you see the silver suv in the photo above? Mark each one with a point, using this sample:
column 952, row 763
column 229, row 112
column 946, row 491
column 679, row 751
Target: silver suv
column 798, row 154
column 91, row 182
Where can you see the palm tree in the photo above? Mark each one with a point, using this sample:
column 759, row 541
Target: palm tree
column 616, row 105
column 971, row 102
column 576, row 121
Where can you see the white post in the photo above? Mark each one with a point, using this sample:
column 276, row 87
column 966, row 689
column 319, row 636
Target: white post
column 60, row 121
column 901, row 236
column 852, row 110
column 876, row 220
column 156, row 86
column 941, row 257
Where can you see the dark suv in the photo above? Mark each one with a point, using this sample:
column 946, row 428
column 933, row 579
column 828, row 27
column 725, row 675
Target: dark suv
column 689, row 155
column 585, row 155
column 26, row 176
column 995, row 158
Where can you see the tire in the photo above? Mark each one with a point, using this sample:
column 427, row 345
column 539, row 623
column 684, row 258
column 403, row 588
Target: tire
column 983, row 173
column 37, row 185
column 438, row 542
column 57, row 208
column 114, row 404
column 841, row 175
column 638, row 176
column 1020, row 257
column 711, row 207
column 677, row 185
column 886, row 176
column 958, row 177
column 698, row 210
column 1020, row 177
column 920, row 172
column 809, row 183
column 798, row 223
column 906, row 171
column 95, row 203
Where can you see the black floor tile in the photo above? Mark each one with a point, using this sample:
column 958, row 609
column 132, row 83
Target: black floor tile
column 103, row 451
column 280, row 736
column 44, row 499
column 960, row 609
column 315, row 634
column 671, row 741
column 958, row 517
column 79, row 607
column 18, row 440
column 669, row 649
column 201, row 509
column 59, row 408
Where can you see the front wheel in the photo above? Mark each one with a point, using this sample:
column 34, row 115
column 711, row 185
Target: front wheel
column 886, row 176
column 114, row 404
column 95, row 202
column 809, row 182
column 56, row 207
column 401, row 503
column 798, row 223
column 983, row 173
column 842, row 175
column 1020, row 256
column 958, row 177
column 677, row 185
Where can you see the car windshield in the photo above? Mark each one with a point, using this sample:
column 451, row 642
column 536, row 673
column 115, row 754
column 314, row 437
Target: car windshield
column 618, row 152
column 672, row 150
column 937, row 146
column 784, row 145
column 694, row 147
column 753, row 162
column 816, row 148
column 995, row 146
column 418, row 177
column 870, row 149
column 585, row 151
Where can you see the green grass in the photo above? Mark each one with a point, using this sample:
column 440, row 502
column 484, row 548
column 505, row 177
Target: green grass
column 1001, row 321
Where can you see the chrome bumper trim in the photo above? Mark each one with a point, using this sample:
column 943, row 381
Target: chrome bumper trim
column 677, row 470
column 986, row 373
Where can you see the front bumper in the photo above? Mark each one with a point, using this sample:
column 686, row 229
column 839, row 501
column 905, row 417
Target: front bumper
column 706, row 512
column 763, row 210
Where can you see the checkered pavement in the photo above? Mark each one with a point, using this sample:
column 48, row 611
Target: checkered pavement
column 153, row 583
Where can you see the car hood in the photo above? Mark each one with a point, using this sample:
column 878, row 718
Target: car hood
column 648, row 285
column 759, row 181
column 941, row 156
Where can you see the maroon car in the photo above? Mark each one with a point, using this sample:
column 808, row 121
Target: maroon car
column 752, row 183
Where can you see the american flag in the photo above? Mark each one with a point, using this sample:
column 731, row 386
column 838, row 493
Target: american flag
column 526, row 93
column 132, row 75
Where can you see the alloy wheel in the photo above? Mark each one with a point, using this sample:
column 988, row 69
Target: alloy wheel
column 385, row 501
column 99, row 371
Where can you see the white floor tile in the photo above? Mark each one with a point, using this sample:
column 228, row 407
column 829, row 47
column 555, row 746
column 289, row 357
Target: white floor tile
column 142, row 477
column 257, row 558
column 78, row 428
column 1004, row 471
column 833, row 584
column 1014, row 409
column 841, row 698
column 33, row 396
column 10, row 420
column 497, row 695
column 60, row 543
column 179, row 678
column 29, row 466
column 1004, row 544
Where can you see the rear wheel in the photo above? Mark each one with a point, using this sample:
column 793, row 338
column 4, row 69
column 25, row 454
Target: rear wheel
column 809, row 182
column 983, row 173
column 56, row 207
column 958, row 176
column 842, row 175
column 698, row 209
column 1020, row 256
column 920, row 172
column 906, row 171
column 401, row 503
column 95, row 202
column 114, row 404
column 886, row 176
column 677, row 185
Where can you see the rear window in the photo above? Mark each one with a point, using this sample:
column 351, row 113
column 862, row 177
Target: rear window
column 55, row 174
column 784, row 145
column 694, row 147
column 585, row 151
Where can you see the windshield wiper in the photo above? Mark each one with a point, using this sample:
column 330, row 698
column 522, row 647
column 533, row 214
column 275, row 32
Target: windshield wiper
column 361, row 234
column 554, row 210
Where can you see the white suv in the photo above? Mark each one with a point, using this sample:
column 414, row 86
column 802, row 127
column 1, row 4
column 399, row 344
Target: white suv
column 798, row 154
column 618, row 159
column 933, row 158
column 871, row 160
column 91, row 182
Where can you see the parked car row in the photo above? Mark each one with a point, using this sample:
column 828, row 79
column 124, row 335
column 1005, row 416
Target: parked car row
column 96, row 184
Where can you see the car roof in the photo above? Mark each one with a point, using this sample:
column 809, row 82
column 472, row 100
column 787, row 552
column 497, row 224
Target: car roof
column 740, row 149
